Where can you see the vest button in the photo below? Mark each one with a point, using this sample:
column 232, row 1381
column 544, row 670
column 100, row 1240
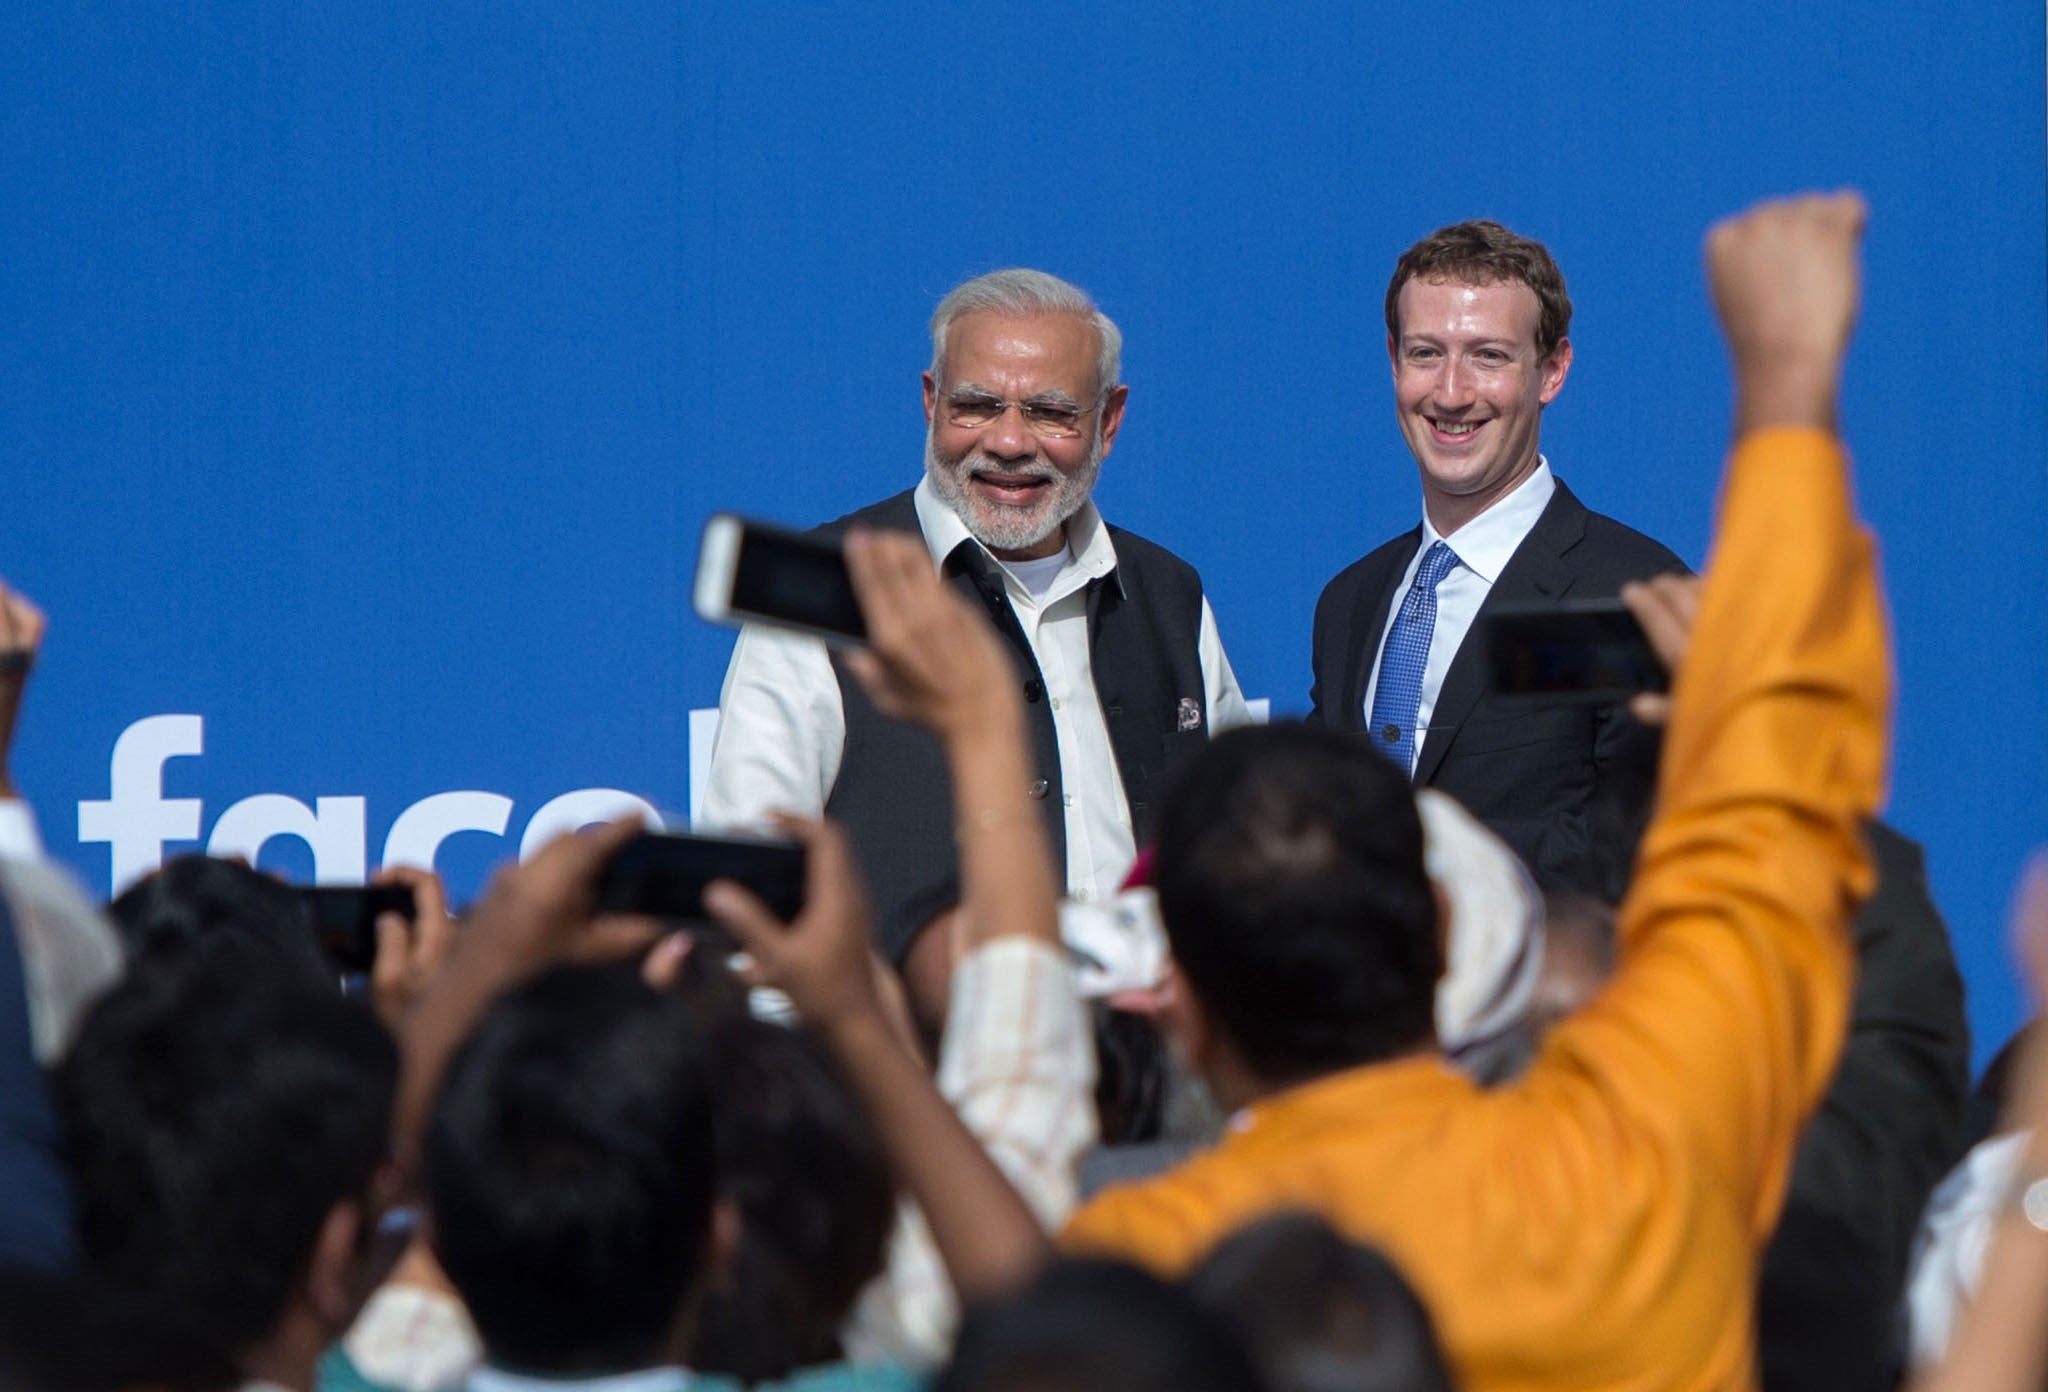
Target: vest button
column 1034, row 690
column 1039, row 788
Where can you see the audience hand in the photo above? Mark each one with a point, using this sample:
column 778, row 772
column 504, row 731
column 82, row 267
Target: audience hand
column 932, row 658
column 1785, row 284
column 21, row 636
column 821, row 959
column 1665, row 605
column 542, row 912
column 408, row 954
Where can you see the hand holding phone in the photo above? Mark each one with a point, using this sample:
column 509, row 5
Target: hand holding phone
column 1587, row 650
column 663, row 875
column 750, row 572
column 344, row 920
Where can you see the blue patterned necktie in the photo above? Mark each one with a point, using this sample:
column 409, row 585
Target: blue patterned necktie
column 1398, row 696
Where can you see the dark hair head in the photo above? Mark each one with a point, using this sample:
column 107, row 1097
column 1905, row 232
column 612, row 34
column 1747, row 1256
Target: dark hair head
column 569, row 1171
column 803, row 1163
column 1097, row 1326
column 211, row 1129
column 1485, row 253
column 224, row 911
column 1321, row 1314
column 1291, row 882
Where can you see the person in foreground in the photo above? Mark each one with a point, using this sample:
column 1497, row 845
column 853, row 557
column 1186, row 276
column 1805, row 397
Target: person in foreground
column 1598, row 1222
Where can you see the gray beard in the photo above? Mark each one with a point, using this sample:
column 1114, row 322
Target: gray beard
column 1001, row 528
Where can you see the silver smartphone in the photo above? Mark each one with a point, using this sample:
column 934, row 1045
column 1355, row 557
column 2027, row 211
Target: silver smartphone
column 751, row 572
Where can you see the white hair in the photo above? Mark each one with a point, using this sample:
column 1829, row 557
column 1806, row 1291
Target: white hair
column 1022, row 293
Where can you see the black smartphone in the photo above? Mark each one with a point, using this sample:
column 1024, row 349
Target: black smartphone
column 344, row 920
column 1582, row 650
column 752, row 572
column 663, row 874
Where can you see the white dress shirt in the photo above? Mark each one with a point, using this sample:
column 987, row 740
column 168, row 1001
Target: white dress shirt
column 781, row 727
column 1483, row 546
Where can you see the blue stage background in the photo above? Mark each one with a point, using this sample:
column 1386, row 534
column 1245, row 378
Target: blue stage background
column 366, row 371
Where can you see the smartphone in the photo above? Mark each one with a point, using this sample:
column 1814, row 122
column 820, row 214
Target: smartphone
column 344, row 920
column 752, row 572
column 663, row 874
column 1582, row 650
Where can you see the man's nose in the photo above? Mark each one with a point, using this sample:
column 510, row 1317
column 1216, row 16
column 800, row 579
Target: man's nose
column 1453, row 385
column 1007, row 436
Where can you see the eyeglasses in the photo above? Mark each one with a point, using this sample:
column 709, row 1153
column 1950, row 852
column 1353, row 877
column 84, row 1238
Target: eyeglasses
column 1049, row 418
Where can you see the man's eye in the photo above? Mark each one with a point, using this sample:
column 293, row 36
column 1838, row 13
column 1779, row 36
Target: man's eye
column 976, row 405
column 1063, row 416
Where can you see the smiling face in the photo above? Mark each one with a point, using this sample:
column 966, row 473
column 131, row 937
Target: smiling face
column 1469, row 388
column 1015, row 432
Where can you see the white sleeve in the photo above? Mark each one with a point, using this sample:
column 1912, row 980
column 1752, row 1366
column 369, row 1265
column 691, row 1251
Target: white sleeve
column 19, row 837
column 1018, row 1064
column 1227, row 708
column 781, row 729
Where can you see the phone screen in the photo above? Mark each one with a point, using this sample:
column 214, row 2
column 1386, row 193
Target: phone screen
column 795, row 579
column 1594, row 650
column 344, row 920
column 663, row 874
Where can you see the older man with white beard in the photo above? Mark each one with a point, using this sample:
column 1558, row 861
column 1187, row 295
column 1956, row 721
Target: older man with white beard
column 1115, row 645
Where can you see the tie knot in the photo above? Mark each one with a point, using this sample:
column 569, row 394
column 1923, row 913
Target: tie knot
column 1437, row 562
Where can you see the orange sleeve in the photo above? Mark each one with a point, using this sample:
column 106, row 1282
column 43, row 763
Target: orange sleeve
column 1727, row 1015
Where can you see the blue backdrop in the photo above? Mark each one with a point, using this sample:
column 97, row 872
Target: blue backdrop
column 366, row 371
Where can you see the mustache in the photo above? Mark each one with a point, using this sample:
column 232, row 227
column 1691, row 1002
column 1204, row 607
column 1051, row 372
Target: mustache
column 979, row 462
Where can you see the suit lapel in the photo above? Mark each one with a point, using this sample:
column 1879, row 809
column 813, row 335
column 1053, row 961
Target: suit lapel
column 1372, row 626
column 1536, row 573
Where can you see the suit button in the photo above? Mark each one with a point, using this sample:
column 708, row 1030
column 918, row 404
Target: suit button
column 1034, row 690
column 1391, row 734
column 1039, row 788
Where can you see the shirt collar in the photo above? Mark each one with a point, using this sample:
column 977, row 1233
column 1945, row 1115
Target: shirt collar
column 1485, row 544
column 1088, row 540
column 646, row 1380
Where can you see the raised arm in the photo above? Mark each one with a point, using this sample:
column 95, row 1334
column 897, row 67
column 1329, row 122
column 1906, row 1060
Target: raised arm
column 934, row 661
column 1734, row 986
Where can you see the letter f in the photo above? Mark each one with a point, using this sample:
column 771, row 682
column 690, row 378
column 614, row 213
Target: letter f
column 136, row 818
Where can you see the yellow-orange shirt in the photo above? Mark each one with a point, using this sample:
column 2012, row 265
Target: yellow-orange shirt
column 1598, row 1224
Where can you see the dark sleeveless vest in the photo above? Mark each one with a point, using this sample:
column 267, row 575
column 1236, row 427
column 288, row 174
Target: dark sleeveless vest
column 893, row 794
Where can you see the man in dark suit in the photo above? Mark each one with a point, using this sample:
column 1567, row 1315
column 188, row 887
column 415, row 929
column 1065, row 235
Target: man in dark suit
column 1477, row 322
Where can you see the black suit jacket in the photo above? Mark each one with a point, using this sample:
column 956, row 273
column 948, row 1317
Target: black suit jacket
column 1888, row 1129
column 1567, row 786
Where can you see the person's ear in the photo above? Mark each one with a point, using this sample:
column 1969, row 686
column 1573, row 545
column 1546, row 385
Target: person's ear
column 335, row 1272
column 1112, row 417
column 1555, row 368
